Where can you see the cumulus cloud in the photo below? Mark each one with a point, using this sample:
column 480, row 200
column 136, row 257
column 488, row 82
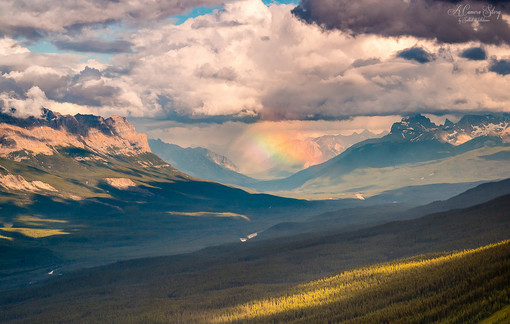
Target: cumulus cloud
column 262, row 62
column 474, row 53
column 23, row 107
column 250, row 62
column 64, row 82
column 445, row 21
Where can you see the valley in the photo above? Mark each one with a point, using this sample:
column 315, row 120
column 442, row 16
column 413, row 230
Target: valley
column 123, row 229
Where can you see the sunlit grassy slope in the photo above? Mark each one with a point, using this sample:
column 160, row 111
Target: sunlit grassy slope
column 500, row 317
column 458, row 287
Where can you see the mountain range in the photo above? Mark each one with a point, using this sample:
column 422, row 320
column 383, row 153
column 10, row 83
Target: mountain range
column 332, row 145
column 309, row 151
column 31, row 135
column 415, row 152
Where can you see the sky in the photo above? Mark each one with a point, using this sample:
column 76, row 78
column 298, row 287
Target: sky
column 211, row 72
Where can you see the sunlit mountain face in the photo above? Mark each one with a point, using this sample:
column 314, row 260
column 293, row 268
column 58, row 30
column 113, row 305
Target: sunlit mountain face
column 254, row 161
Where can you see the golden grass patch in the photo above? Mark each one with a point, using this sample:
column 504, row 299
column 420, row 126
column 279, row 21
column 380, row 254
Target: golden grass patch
column 210, row 214
column 34, row 220
column 35, row 232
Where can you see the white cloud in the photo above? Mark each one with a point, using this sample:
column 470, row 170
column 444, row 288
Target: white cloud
column 251, row 58
column 254, row 60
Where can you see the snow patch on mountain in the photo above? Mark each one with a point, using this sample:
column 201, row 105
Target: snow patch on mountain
column 222, row 161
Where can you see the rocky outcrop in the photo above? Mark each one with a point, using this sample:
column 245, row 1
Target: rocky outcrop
column 17, row 182
column 120, row 183
column 111, row 136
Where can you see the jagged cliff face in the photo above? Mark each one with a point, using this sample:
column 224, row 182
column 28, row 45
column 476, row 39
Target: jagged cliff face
column 110, row 136
column 419, row 128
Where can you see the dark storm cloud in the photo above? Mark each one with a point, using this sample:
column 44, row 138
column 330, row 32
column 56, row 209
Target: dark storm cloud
column 448, row 22
column 29, row 33
column 87, row 74
column 96, row 95
column 52, row 84
column 474, row 54
column 9, row 85
column 88, row 88
column 95, row 45
column 500, row 66
column 417, row 54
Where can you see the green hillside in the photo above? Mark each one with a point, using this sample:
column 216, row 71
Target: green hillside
column 86, row 220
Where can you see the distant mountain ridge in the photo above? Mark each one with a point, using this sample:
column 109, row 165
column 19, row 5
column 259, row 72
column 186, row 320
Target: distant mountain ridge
column 310, row 151
column 474, row 196
column 411, row 142
column 332, row 145
column 200, row 162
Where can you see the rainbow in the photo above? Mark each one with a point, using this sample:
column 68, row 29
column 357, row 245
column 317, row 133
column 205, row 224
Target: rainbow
column 270, row 150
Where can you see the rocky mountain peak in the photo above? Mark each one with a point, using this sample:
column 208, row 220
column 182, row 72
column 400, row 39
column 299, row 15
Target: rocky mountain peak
column 419, row 128
column 40, row 135
column 119, row 125
column 413, row 128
